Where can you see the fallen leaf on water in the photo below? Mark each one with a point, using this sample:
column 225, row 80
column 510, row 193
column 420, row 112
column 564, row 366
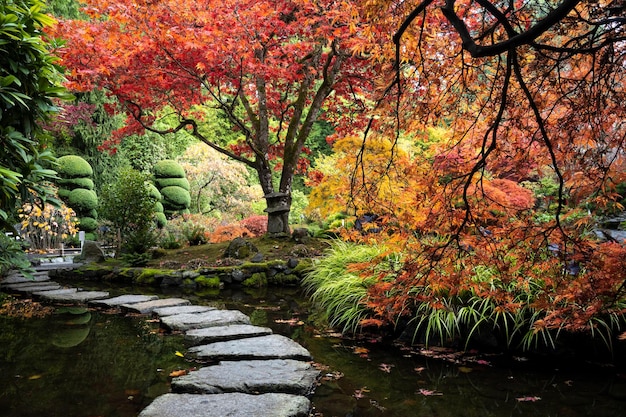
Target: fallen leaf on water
column 178, row 373
column 465, row 369
column 419, row 370
column 428, row 393
column 179, row 354
column 385, row 367
column 622, row 336
column 291, row 322
column 528, row 399
column 360, row 393
column 34, row 377
column 360, row 351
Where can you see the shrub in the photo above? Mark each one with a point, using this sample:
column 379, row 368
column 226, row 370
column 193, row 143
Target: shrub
column 173, row 182
column 169, row 240
column 73, row 166
column 195, row 234
column 256, row 225
column 88, row 224
column 82, row 200
column 227, row 233
column 176, row 198
column 168, row 168
column 72, row 183
column 12, row 256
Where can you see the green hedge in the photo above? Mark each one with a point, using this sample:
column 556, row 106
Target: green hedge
column 168, row 168
column 154, row 192
column 88, row 224
column 173, row 182
column 72, row 183
column 73, row 166
column 176, row 198
column 161, row 220
column 82, row 200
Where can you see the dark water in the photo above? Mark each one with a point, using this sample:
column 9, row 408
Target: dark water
column 91, row 364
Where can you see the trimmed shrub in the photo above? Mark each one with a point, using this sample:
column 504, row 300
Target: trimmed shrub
column 173, row 182
column 168, row 168
column 177, row 197
column 154, row 192
column 72, row 183
column 158, row 207
column 88, row 224
column 73, row 166
column 82, row 200
column 161, row 220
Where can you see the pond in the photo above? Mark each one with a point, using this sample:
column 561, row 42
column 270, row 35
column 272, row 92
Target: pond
column 89, row 364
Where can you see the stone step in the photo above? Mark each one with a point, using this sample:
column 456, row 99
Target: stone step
column 30, row 287
column 190, row 309
column 148, row 307
column 76, row 297
column 231, row 405
column 19, row 278
column 122, row 299
column 251, row 377
column 224, row 333
column 53, row 293
column 206, row 319
column 263, row 347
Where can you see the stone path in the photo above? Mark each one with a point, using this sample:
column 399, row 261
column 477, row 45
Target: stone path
column 253, row 373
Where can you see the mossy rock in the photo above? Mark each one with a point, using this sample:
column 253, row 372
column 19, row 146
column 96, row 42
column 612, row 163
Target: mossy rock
column 161, row 220
column 82, row 200
column 73, row 166
column 149, row 277
column 176, row 197
column 284, row 279
column 257, row 280
column 168, row 168
column 72, row 183
column 207, row 282
column 173, row 182
column 87, row 224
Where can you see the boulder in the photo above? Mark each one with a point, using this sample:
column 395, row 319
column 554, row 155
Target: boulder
column 91, row 252
column 239, row 248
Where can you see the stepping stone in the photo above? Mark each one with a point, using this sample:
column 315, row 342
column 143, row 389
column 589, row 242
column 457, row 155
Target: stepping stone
column 277, row 375
column 34, row 287
column 222, row 333
column 53, row 293
column 75, row 297
column 148, row 307
column 263, row 347
column 231, row 405
column 170, row 311
column 123, row 299
column 17, row 278
column 207, row 319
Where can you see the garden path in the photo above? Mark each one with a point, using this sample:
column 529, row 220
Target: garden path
column 249, row 371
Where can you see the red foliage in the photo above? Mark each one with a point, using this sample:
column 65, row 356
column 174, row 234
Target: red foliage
column 227, row 233
column 256, row 225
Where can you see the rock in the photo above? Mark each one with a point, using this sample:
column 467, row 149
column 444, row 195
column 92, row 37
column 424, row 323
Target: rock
column 53, row 293
column 170, row 311
column 91, row 252
column 239, row 248
column 278, row 375
column 19, row 278
column 222, row 333
column 292, row 263
column 73, row 297
column 122, row 299
column 149, row 306
column 238, row 275
column 231, row 405
column 207, row 319
column 30, row 287
column 263, row 347
column 258, row 258
column 300, row 235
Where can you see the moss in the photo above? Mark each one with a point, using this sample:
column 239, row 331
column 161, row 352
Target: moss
column 303, row 267
column 81, row 200
column 149, row 276
column 284, row 279
column 73, row 166
column 173, row 182
column 168, row 168
column 258, row 279
column 207, row 282
column 176, row 197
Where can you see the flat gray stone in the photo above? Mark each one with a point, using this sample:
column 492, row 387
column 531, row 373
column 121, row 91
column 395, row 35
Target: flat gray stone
column 170, row 311
column 263, row 347
column 207, row 319
column 52, row 293
column 75, row 297
column 276, row 375
column 228, row 405
column 123, row 299
column 222, row 333
column 16, row 278
column 148, row 307
column 34, row 287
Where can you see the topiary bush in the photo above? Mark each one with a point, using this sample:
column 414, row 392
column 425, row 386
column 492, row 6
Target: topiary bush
column 73, row 166
column 176, row 182
column 82, row 200
column 72, row 183
column 168, row 168
column 176, row 197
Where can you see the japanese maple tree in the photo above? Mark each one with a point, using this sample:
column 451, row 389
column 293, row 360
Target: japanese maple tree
column 268, row 65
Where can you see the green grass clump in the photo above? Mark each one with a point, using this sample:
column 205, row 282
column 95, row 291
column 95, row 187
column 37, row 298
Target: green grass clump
column 340, row 293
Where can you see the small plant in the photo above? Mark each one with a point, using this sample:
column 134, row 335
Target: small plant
column 12, row 256
column 194, row 234
column 170, row 240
